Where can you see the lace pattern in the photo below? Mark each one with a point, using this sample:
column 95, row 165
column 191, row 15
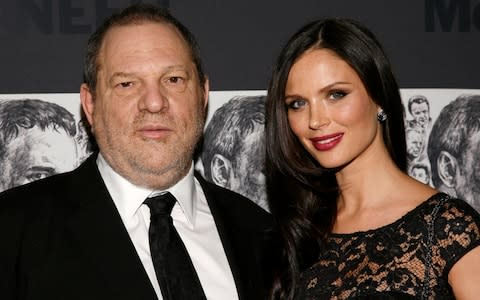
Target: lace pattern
column 410, row 257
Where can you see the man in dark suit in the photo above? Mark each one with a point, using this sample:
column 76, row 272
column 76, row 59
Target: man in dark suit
column 85, row 234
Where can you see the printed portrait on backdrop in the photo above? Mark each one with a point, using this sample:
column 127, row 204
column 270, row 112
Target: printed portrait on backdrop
column 37, row 139
column 443, row 140
column 416, row 141
column 85, row 141
column 454, row 149
column 233, row 147
column 419, row 110
column 418, row 123
column 425, row 109
column 420, row 172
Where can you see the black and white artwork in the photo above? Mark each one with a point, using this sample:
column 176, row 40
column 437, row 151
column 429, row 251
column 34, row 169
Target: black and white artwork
column 418, row 123
column 443, row 140
column 233, row 147
column 43, row 134
column 39, row 137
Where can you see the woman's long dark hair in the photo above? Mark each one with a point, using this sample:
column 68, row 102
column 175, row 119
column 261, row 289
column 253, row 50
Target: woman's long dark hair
column 303, row 195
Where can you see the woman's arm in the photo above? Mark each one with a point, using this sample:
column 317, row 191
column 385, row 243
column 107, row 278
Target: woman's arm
column 464, row 277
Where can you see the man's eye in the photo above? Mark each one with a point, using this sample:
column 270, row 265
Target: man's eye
column 36, row 176
column 126, row 84
column 175, row 83
column 175, row 79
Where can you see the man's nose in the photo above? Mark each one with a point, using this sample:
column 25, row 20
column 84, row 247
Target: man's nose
column 154, row 98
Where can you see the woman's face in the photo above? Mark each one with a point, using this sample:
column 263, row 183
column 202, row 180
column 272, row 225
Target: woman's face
column 329, row 109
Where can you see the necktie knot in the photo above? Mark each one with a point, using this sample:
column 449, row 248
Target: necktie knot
column 161, row 204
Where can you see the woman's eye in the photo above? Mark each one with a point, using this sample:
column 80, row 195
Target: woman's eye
column 337, row 95
column 295, row 104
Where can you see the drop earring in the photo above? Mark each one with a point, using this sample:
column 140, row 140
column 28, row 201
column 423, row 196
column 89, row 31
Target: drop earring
column 381, row 116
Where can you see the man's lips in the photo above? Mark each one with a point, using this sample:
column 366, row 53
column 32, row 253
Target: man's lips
column 154, row 132
column 326, row 142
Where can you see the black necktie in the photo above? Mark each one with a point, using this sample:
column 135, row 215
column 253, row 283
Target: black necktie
column 175, row 272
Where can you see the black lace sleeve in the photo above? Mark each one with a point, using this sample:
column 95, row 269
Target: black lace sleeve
column 457, row 230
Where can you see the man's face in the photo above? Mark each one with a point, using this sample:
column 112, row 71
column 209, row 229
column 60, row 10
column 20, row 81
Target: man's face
column 148, row 111
column 420, row 174
column 249, row 176
column 420, row 113
column 35, row 154
column 468, row 175
column 414, row 143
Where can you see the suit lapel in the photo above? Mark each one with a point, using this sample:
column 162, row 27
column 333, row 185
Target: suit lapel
column 103, row 239
column 236, row 242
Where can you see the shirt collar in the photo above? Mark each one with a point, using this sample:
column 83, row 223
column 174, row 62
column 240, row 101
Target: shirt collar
column 129, row 198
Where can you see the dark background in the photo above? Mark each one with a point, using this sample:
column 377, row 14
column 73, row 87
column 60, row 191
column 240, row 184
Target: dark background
column 431, row 43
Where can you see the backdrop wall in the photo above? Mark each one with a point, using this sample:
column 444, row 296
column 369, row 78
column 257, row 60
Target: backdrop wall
column 431, row 43
column 433, row 46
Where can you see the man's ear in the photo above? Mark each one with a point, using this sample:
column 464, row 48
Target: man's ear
column 206, row 90
column 221, row 169
column 447, row 168
column 88, row 103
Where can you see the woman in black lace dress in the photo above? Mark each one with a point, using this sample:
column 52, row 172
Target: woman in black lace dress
column 352, row 224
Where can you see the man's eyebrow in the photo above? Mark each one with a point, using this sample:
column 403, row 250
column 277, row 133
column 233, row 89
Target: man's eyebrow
column 175, row 67
column 122, row 74
column 42, row 169
column 167, row 69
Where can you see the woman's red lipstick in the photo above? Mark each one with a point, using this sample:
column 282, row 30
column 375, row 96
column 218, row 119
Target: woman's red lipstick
column 326, row 142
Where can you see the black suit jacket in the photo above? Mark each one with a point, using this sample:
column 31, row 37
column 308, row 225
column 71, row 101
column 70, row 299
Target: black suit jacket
column 62, row 238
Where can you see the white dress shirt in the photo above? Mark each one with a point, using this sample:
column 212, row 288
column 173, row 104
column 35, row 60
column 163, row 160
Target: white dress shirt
column 192, row 219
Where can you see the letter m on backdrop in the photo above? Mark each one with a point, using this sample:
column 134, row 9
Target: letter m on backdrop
column 447, row 12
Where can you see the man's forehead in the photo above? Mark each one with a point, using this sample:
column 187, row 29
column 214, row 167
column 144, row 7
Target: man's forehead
column 414, row 134
column 254, row 142
column 122, row 40
column 117, row 33
column 474, row 141
column 417, row 105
